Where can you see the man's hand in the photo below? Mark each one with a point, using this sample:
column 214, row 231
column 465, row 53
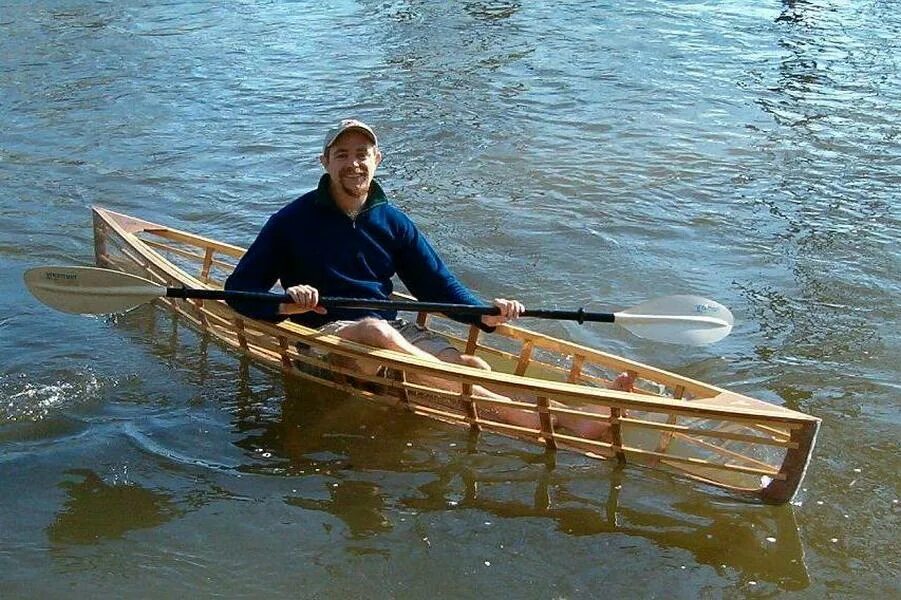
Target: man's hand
column 510, row 309
column 306, row 299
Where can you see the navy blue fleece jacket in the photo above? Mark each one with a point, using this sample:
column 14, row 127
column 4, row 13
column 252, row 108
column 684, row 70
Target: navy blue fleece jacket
column 312, row 242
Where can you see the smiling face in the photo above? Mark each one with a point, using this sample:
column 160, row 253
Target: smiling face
column 351, row 161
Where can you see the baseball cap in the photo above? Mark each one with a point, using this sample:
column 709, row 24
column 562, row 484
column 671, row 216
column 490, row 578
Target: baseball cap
column 348, row 125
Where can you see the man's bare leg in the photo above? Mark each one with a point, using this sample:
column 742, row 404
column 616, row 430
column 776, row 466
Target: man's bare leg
column 598, row 430
column 587, row 428
column 380, row 334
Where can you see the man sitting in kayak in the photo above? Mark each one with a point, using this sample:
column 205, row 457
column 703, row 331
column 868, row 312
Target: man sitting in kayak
column 345, row 239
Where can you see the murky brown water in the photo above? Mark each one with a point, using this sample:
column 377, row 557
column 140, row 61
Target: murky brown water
column 585, row 153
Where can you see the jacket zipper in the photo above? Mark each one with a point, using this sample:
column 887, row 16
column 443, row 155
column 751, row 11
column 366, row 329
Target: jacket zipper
column 353, row 220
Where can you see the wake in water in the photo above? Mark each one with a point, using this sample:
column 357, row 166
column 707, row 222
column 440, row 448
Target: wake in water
column 24, row 400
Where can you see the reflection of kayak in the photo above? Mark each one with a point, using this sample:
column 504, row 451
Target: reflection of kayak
column 668, row 422
column 764, row 545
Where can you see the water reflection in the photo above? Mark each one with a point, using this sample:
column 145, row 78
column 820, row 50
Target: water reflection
column 95, row 511
column 336, row 440
column 359, row 504
column 762, row 543
column 349, row 448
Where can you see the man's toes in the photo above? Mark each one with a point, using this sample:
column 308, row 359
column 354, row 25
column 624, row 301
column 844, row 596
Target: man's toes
column 624, row 382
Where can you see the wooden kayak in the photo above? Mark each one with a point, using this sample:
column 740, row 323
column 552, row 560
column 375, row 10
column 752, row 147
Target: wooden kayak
column 698, row 431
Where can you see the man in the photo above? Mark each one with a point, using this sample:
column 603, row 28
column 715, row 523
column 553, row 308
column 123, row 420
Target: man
column 345, row 239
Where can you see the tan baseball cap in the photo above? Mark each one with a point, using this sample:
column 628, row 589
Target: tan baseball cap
column 347, row 125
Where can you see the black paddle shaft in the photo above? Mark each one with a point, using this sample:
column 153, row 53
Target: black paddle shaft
column 579, row 315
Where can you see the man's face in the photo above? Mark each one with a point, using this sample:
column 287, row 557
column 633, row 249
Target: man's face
column 351, row 162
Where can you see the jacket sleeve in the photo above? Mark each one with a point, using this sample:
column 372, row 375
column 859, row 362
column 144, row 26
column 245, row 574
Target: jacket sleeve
column 257, row 271
column 429, row 279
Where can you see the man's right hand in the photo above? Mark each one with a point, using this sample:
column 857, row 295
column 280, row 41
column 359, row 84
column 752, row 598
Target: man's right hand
column 306, row 299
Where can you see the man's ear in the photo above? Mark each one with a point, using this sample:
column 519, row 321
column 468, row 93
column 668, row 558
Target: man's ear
column 378, row 157
column 323, row 160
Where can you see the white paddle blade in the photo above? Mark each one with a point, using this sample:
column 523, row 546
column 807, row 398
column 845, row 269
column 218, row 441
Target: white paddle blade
column 89, row 290
column 678, row 320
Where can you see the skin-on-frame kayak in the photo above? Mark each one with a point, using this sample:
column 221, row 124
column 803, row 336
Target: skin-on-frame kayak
column 669, row 422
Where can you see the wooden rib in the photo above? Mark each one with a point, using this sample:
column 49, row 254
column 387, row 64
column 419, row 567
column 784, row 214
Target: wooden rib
column 201, row 314
column 473, row 341
column 404, row 392
column 324, row 365
column 667, row 437
column 504, row 402
column 272, row 360
column 286, row 357
column 565, row 374
column 261, row 343
column 566, row 392
column 524, row 358
column 472, row 411
column 207, row 263
column 793, row 467
column 575, row 371
column 616, row 432
column 242, row 339
column 547, row 423
column 225, row 267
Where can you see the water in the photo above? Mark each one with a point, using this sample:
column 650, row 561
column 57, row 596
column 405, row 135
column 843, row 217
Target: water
column 585, row 153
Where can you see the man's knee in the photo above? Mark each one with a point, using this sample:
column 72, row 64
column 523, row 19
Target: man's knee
column 473, row 361
column 374, row 332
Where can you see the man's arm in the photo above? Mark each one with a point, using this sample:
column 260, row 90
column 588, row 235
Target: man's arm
column 257, row 271
column 429, row 279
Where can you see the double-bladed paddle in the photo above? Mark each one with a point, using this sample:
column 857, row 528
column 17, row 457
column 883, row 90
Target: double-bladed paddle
column 91, row 290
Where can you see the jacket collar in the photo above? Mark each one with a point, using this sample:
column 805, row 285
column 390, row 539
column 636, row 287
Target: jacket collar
column 324, row 195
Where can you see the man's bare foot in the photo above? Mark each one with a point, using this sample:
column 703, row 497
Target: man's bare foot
column 589, row 428
column 599, row 430
column 624, row 382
